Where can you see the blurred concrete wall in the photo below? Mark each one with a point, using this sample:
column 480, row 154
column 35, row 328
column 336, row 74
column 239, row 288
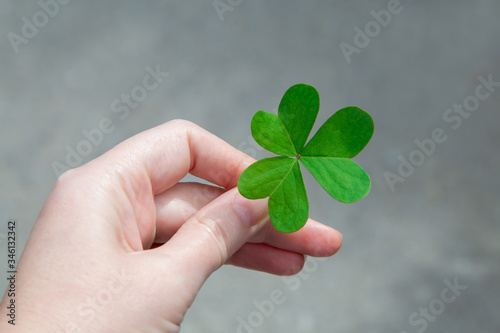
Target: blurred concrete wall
column 432, row 217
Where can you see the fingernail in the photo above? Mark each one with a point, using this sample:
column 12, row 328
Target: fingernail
column 251, row 212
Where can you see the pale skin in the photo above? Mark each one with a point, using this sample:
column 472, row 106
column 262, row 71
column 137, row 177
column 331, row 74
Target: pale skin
column 122, row 246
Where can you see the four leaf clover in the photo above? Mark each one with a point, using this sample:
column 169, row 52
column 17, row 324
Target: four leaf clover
column 327, row 156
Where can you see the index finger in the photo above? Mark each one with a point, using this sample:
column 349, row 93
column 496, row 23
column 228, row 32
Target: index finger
column 166, row 153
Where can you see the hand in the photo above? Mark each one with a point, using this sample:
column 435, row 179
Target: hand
column 94, row 261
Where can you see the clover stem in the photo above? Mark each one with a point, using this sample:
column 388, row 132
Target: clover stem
column 297, row 157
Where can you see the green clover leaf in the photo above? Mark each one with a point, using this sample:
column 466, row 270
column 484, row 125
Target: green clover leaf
column 327, row 156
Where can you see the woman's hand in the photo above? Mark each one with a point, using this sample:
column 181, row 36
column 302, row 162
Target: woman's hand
column 95, row 261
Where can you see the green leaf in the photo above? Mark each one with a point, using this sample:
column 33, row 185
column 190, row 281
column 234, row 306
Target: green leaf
column 341, row 178
column 344, row 134
column 298, row 110
column 288, row 205
column 271, row 134
column 281, row 179
column 262, row 178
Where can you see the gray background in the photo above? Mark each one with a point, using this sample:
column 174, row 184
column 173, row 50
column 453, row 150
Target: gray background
column 399, row 246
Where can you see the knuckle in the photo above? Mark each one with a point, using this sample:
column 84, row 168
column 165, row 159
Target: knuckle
column 182, row 123
column 68, row 179
column 218, row 233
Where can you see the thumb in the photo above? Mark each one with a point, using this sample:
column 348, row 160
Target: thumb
column 211, row 236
